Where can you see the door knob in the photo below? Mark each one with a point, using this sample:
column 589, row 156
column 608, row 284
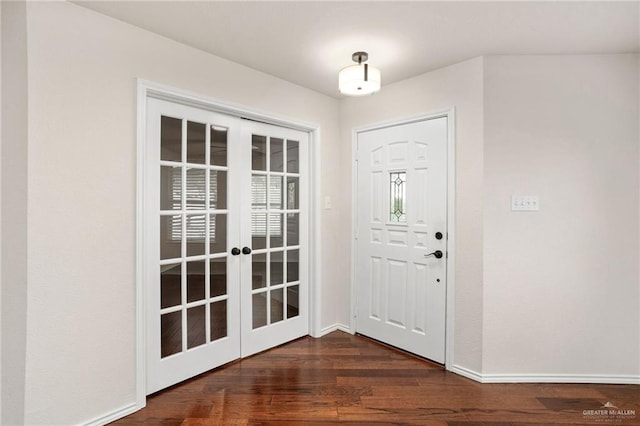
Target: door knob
column 437, row 254
column 235, row 251
column 246, row 250
column 438, row 235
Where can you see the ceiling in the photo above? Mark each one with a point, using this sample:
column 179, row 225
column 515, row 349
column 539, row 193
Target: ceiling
column 307, row 43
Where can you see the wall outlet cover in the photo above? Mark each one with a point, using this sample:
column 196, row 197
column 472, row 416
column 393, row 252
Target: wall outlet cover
column 525, row 203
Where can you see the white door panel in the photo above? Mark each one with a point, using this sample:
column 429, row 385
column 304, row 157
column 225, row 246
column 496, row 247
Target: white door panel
column 193, row 283
column 275, row 227
column 401, row 175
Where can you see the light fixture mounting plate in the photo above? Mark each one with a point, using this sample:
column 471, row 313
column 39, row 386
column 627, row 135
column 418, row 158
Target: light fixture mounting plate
column 360, row 57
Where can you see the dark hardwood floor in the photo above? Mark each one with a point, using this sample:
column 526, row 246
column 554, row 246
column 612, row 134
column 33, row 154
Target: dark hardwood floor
column 352, row 380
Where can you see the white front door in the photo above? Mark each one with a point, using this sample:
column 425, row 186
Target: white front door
column 402, row 236
column 225, row 225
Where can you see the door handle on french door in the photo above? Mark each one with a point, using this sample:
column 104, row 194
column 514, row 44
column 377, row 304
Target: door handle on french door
column 437, row 254
column 246, row 250
column 235, row 251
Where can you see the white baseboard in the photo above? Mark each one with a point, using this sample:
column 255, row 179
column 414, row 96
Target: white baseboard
column 546, row 378
column 465, row 372
column 560, row 378
column 335, row 327
column 114, row 415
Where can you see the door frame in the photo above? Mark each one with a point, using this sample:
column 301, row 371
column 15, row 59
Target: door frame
column 148, row 89
column 449, row 113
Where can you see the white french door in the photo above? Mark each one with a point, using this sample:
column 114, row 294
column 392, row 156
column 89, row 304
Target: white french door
column 402, row 236
column 225, row 228
column 275, row 224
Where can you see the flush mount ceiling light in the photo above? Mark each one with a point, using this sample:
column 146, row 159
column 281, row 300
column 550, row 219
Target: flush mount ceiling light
column 360, row 79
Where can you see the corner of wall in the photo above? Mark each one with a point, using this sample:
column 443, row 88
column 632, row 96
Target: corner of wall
column 638, row 106
column 13, row 225
column 0, row 212
column 483, row 61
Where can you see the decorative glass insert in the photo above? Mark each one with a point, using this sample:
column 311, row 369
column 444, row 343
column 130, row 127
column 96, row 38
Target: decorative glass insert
column 397, row 201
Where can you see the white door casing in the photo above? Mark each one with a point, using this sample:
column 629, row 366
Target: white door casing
column 199, row 296
column 401, row 204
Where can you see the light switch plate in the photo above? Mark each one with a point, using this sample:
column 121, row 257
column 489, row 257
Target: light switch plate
column 327, row 202
column 525, row 203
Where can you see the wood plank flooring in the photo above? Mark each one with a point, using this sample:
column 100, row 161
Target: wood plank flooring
column 347, row 379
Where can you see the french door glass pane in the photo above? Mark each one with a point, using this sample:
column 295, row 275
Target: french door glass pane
column 259, row 270
column 275, row 193
column 170, row 285
column 196, row 326
column 195, row 281
column 170, row 236
column 293, row 154
column 218, row 146
column 170, row 188
column 293, row 229
column 218, row 277
column 217, row 233
column 258, row 231
column 258, row 152
column 293, row 301
column 218, row 189
column 196, row 234
column 276, row 230
column 170, row 139
column 259, row 192
column 293, row 263
column 170, row 333
column 277, row 305
column 275, row 148
column 196, row 144
column 218, row 320
column 259, row 309
column 277, row 268
column 293, row 193
column 196, row 189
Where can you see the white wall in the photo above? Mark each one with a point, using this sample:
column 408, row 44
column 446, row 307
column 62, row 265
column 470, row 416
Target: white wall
column 458, row 85
column 82, row 182
column 561, row 292
column 14, row 210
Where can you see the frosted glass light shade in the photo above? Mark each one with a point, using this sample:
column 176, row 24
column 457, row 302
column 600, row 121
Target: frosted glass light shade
column 351, row 80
